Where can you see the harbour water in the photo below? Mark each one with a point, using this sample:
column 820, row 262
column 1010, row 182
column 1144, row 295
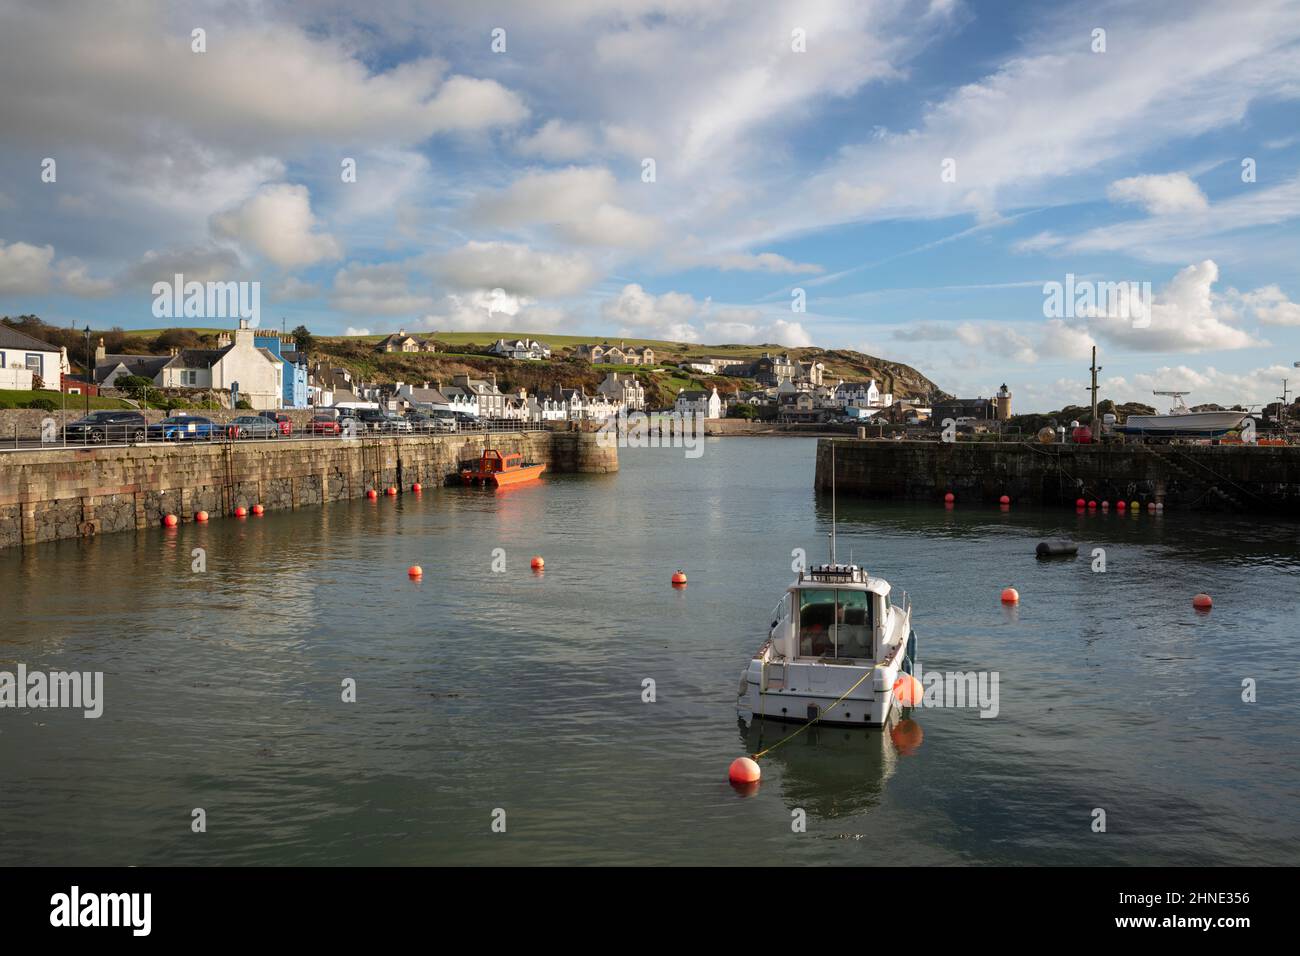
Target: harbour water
column 479, row 689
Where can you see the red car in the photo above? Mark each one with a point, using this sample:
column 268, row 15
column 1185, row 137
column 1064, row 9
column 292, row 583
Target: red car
column 324, row 425
column 281, row 419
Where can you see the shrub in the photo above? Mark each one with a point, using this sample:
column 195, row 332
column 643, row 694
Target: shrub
column 45, row 404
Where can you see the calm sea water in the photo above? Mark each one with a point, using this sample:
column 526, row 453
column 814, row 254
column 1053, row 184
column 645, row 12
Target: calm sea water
column 479, row 690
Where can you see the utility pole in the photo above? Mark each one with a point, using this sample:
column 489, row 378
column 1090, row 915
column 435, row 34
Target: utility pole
column 1281, row 411
column 1093, row 388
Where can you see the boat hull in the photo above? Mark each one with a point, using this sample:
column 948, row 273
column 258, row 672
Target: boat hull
column 500, row 479
column 808, row 690
column 1185, row 425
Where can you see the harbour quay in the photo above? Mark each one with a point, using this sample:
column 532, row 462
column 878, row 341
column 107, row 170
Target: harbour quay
column 48, row 494
column 1192, row 477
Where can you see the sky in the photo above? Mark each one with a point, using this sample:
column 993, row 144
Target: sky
column 907, row 178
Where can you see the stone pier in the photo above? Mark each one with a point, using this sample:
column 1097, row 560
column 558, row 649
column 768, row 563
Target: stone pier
column 1246, row 478
column 75, row 492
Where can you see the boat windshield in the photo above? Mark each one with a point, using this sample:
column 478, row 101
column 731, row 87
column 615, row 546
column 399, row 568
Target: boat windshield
column 835, row 623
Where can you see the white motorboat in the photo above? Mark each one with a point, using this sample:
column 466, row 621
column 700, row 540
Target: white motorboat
column 837, row 644
column 1182, row 422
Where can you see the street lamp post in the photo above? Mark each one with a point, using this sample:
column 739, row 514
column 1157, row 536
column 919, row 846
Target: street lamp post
column 90, row 370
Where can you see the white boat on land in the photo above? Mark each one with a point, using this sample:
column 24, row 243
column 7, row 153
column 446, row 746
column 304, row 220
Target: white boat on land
column 837, row 644
column 1182, row 422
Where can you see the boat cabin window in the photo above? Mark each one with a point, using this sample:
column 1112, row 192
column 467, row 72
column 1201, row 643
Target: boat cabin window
column 835, row 623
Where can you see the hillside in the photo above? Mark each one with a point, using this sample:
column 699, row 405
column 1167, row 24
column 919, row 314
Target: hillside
column 465, row 353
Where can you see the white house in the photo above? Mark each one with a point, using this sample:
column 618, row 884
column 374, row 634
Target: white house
column 523, row 349
column 235, row 365
column 708, row 404
column 24, row 360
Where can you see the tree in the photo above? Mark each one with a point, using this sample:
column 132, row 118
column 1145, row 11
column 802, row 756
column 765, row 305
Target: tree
column 139, row 385
column 303, row 338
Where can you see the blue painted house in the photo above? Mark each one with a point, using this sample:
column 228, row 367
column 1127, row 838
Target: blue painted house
column 295, row 368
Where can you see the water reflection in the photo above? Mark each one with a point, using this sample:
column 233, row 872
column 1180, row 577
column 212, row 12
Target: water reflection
column 830, row 771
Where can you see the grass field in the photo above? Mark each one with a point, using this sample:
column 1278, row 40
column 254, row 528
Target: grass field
column 15, row 398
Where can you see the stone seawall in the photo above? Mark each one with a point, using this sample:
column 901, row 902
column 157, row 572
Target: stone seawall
column 73, row 492
column 1201, row 477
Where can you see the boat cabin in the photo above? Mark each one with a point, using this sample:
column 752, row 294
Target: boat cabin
column 493, row 460
column 833, row 612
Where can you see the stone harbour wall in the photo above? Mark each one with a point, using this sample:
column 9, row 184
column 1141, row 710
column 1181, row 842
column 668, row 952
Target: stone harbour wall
column 74, row 492
column 1242, row 478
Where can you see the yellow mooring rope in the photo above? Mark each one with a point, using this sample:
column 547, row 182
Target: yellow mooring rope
column 820, row 714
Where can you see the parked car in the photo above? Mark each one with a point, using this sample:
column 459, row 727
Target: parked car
column 252, row 426
column 378, row 420
column 118, row 424
column 324, row 425
column 185, row 428
column 280, row 418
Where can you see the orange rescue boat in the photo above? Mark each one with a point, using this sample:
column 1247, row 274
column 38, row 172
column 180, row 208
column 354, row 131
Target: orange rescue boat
column 498, row 470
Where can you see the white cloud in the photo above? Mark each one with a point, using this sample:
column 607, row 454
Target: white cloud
column 515, row 268
column 638, row 313
column 25, row 268
column 559, row 141
column 354, row 331
column 1271, row 306
column 1186, row 316
column 491, row 310
column 576, row 202
column 680, row 317
column 1160, row 195
column 382, row 289
column 278, row 223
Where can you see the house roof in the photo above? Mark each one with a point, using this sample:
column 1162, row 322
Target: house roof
column 11, row 338
column 146, row 365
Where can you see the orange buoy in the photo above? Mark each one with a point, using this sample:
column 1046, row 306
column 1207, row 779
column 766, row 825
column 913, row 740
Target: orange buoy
column 391, row 491
column 372, row 494
column 200, row 516
column 1004, row 500
column 416, row 488
column 949, row 497
column 415, row 571
column 170, row 521
column 537, row 563
column 908, row 690
column 241, row 512
column 1202, row 602
column 1010, row 596
column 743, row 770
column 679, row 579
column 258, row 510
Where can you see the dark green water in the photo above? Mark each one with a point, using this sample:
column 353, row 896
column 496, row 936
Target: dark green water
column 480, row 690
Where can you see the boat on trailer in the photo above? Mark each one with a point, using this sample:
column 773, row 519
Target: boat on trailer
column 1182, row 422
column 497, row 470
column 837, row 644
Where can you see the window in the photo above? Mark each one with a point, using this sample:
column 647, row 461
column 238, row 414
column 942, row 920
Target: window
column 835, row 624
column 35, row 363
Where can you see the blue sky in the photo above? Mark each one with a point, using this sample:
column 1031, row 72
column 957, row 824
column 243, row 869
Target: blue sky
column 918, row 169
